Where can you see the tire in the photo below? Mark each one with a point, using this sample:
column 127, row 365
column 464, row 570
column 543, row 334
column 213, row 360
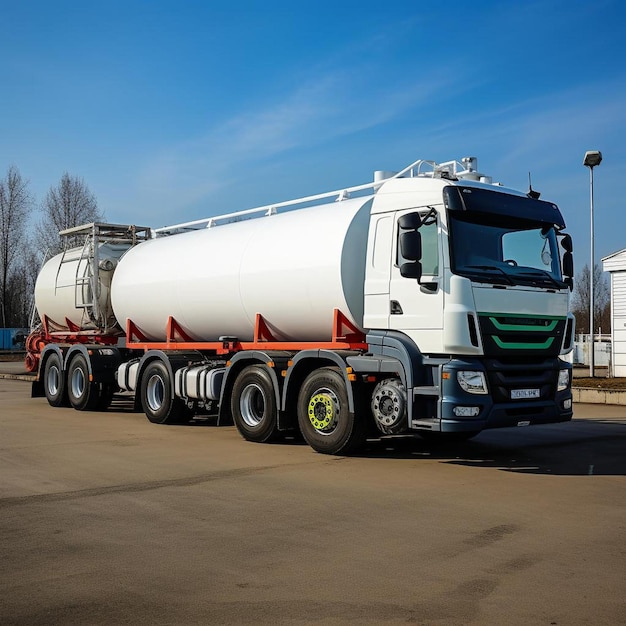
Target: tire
column 54, row 381
column 253, row 405
column 157, row 397
column 324, row 416
column 82, row 394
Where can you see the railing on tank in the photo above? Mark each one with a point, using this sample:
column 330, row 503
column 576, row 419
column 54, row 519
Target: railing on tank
column 90, row 237
column 450, row 169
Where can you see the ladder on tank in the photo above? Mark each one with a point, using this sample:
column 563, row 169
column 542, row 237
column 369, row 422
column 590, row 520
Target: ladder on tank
column 84, row 286
column 87, row 275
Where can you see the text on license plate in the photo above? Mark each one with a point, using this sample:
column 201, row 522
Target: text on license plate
column 518, row 394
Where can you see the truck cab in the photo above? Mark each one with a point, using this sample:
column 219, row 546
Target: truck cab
column 477, row 277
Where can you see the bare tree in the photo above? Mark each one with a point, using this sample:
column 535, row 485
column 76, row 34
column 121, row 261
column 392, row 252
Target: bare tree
column 69, row 204
column 15, row 206
column 22, row 286
column 601, row 300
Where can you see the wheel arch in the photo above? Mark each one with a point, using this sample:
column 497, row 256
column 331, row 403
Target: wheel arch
column 236, row 365
column 102, row 361
column 172, row 360
column 302, row 365
column 52, row 348
column 71, row 354
column 402, row 349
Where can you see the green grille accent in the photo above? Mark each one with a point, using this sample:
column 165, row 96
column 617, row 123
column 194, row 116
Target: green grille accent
column 514, row 345
column 530, row 327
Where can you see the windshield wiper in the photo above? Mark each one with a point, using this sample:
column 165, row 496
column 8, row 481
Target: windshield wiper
column 493, row 268
column 544, row 274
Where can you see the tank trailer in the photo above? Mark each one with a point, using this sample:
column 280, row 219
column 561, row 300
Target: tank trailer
column 430, row 301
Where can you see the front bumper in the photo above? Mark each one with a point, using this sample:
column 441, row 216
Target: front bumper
column 497, row 409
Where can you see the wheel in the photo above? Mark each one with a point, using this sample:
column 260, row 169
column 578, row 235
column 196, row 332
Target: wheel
column 437, row 437
column 83, row 394
column 323, row 414
column 389, row 406
column 54, row 381
column 157, row 396
column 253, row 405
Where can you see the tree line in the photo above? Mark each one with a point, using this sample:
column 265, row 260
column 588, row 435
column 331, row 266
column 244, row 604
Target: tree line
column 29, row 233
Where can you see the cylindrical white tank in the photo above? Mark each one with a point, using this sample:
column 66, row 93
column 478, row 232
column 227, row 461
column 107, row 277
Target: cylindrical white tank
column 293, row 268
column 63, row 288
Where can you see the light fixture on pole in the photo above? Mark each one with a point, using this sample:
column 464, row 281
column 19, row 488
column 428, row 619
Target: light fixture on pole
column 592, row 158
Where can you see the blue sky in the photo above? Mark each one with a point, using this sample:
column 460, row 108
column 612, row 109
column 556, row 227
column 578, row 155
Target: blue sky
column 172, row 111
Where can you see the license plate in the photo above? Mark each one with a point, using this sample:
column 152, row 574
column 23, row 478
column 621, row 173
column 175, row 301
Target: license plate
column 519, row 394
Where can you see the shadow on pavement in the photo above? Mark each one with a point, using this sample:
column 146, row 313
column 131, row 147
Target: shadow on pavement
column 582, row 447
column 578, row 448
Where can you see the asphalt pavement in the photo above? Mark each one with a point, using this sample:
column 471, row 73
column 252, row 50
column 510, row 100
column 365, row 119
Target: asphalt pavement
column 106, row 518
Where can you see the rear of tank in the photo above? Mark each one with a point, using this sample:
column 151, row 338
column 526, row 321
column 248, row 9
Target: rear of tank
column 64, row 289
column 293, row 268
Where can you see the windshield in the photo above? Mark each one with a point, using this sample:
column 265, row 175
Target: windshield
column 504, row 249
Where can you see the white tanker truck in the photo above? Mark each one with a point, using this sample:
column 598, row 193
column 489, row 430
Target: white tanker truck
column 429, row 301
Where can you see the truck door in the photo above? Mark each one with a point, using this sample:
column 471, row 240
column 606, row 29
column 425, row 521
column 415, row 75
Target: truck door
column 378, row 271
column 416, row 305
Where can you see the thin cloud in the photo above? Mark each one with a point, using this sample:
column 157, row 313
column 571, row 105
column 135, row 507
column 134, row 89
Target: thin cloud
column 323, row 109
column 547, row 125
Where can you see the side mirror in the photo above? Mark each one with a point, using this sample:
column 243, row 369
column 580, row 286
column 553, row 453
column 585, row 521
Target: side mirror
column 568, row 264
column 410, row 221
column 411, row 245
column 411, row 269
column 410, row 242
column 568, row 269
column 566, row 242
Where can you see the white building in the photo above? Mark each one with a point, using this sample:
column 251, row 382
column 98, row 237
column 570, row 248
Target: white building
column 615, row 264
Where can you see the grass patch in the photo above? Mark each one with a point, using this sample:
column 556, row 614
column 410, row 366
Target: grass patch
column 600, row 383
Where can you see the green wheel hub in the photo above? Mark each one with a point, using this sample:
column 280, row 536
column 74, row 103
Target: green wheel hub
column 323, row 410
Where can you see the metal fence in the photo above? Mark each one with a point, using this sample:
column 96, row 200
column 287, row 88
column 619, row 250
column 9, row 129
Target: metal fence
column 601, row 351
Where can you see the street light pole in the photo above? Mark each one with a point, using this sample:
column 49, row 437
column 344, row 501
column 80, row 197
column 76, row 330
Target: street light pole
column 592, row 158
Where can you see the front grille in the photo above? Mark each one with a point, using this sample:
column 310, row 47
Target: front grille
column 506, row 334
column 539, row 374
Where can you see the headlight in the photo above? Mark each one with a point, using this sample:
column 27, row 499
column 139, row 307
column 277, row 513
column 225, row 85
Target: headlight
column 563, row 380
column 472, row 382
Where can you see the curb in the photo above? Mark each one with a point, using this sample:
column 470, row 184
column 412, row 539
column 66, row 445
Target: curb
column 589, row 395
column 27, row 377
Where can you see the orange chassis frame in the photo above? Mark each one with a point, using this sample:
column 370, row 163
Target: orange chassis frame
column 345, row 336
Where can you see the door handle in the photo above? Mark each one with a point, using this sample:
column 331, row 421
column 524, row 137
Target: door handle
column 395, row 308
